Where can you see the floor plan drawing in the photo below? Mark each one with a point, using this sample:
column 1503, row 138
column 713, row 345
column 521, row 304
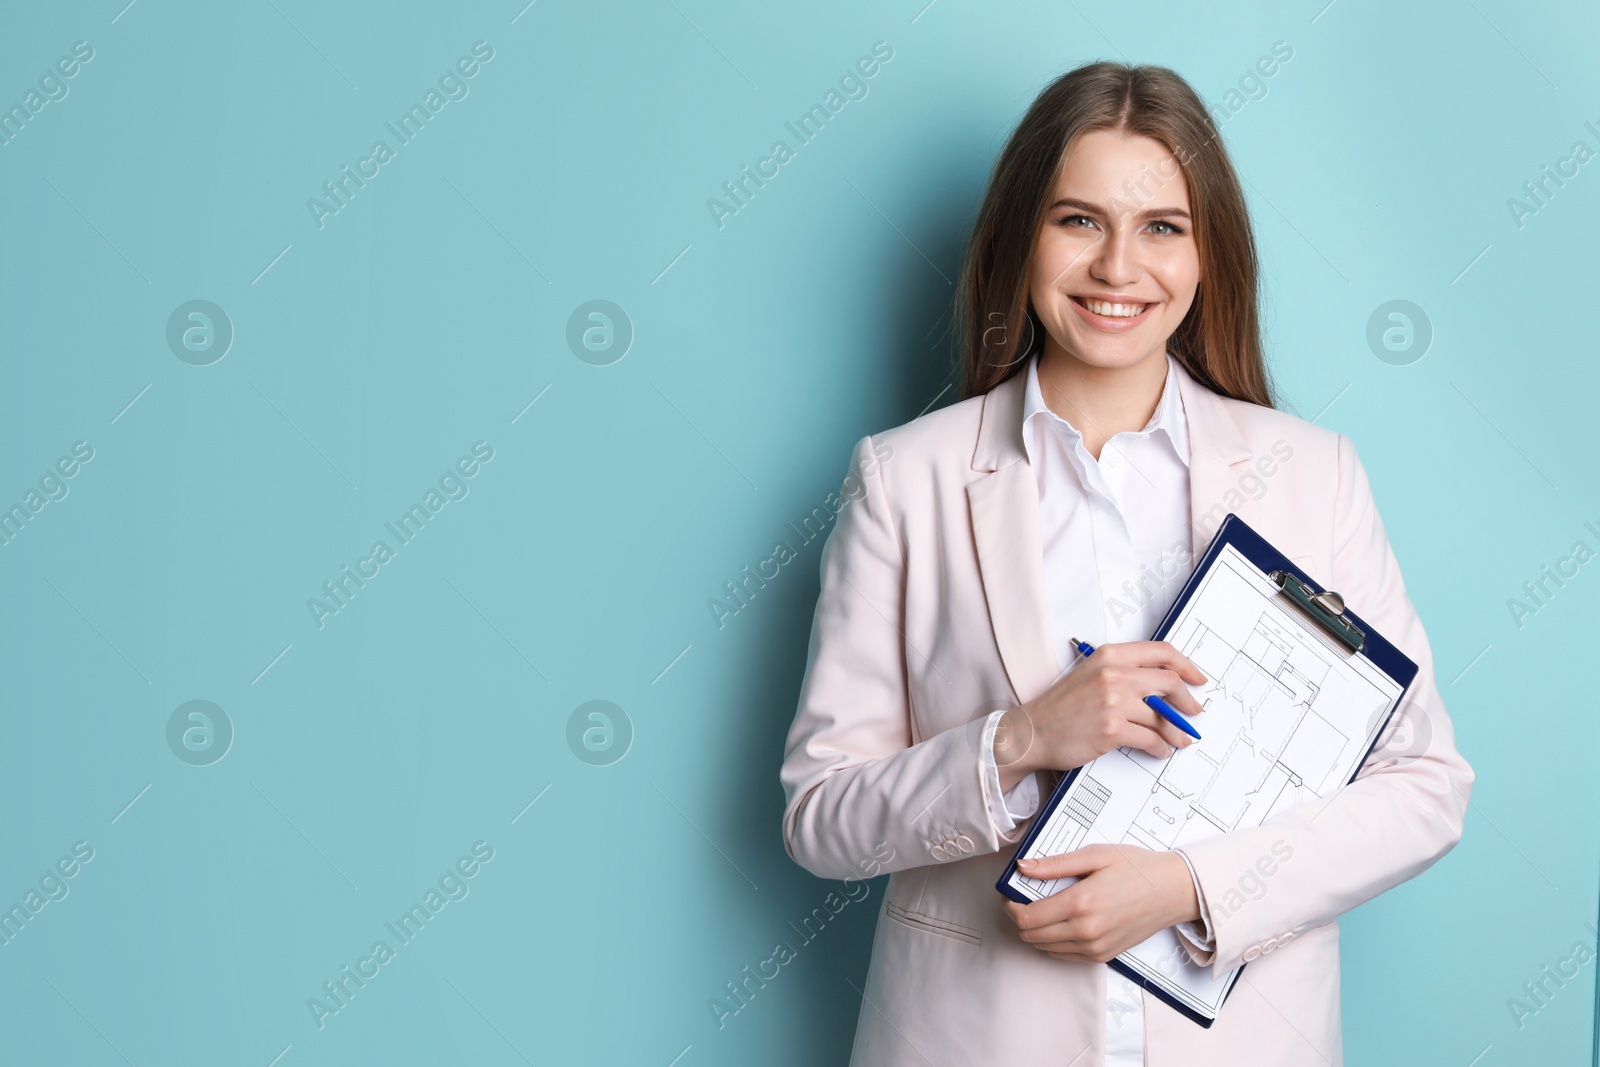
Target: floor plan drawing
column 1288, row 717
column 1268, row 745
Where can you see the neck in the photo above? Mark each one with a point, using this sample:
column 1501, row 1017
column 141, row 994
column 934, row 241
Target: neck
column 1101, row 401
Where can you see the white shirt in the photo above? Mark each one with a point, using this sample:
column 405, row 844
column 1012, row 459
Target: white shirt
column 1117, row 549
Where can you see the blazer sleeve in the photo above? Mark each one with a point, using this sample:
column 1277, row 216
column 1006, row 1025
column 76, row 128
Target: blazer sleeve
column 863, row 795
column 1305, row 866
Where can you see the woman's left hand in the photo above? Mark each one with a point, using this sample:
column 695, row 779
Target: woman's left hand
column 1123, row 895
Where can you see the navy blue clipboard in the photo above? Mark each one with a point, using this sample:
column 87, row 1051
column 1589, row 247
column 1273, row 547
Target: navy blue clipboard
column 1383, row 655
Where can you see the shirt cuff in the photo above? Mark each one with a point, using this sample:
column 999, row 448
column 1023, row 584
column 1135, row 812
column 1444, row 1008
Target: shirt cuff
column 1198, row 933
column 1006, row 810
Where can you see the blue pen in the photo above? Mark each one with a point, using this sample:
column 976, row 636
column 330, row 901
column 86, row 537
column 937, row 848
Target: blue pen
column 1159, row 706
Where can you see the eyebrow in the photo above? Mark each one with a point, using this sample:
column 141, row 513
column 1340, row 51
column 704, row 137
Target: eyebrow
column 1150, row 213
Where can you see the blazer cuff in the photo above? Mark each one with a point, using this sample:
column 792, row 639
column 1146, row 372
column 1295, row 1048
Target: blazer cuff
column 1197, row 938
column 1006, row 810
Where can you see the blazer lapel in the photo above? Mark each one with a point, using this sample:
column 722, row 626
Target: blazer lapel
column 1005, row 525
column 1218, row 461
column 1005, row 529
column 1004, row 503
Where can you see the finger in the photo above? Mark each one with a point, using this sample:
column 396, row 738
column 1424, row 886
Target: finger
column 1184, row 665
column 1046, row 911
column 1067, row 935
column 1168, row 684
column 1157, row 654
column 1092, row 952
column 1145, row 735
column 1068, row 864
column 1049, row 911
column 1072, row 957
column 1147, row 718
column 1078, row 936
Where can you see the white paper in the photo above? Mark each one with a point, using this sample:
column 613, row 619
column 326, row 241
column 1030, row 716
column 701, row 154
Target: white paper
column 1289, row 715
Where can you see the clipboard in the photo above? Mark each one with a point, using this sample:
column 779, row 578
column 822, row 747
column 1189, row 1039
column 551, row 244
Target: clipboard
column 1266, row 687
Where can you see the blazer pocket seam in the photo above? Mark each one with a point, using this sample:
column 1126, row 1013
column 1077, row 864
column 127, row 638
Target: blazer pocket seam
column 919, row 921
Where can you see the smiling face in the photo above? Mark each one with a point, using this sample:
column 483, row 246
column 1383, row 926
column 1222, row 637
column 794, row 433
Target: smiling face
column 1115, row 265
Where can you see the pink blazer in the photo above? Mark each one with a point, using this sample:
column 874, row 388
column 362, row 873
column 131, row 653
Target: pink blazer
column 932, row 613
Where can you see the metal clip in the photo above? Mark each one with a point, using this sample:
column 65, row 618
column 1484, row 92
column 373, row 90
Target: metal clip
column 1326, row 608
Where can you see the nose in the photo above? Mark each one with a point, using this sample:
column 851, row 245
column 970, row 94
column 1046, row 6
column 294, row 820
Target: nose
column 1115, row 263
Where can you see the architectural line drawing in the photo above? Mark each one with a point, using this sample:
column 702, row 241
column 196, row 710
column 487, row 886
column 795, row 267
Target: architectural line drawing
column 1288, row 717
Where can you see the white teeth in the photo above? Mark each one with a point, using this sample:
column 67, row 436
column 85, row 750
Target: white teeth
column 1117, row 311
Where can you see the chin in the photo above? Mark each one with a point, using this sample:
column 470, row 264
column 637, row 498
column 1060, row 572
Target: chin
column 1113, row 360
column 1116, row 356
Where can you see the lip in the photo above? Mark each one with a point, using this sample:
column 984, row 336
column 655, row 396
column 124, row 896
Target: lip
column 1107, row 323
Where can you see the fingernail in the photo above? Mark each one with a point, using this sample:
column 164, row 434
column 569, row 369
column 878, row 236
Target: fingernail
column 1026, row 863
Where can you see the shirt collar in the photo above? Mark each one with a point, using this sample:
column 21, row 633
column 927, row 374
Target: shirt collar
column 1168, row 417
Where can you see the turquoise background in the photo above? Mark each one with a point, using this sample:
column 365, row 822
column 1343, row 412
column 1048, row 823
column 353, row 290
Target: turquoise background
column 369, row 354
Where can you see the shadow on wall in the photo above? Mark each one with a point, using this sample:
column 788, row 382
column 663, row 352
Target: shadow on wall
column 816, row 985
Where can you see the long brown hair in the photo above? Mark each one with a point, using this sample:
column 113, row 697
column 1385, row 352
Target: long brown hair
column 1219, row 341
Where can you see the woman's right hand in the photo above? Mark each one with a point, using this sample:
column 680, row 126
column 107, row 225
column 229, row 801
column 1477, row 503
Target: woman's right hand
column 1098, row 706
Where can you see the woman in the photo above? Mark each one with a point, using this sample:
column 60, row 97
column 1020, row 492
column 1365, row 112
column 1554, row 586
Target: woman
column 1116, row 409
